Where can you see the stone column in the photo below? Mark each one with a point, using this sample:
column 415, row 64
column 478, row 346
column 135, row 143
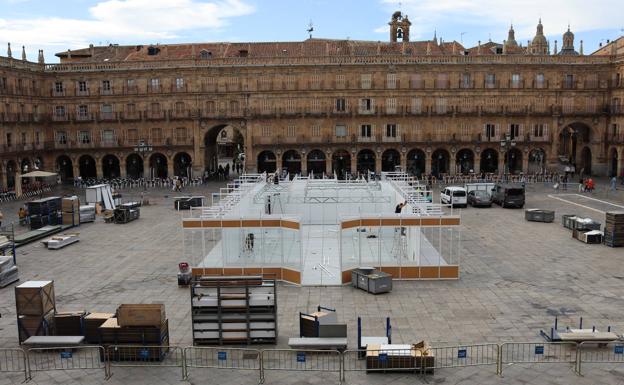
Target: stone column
column 304, row 164
column 353, row 163
column 378, row 163
column 328, row 163
column 427, row 163
column 75, row 167
column 620, row 163
column 278, row 163
column 525, row 162
column 403, row 161
column 170, row 167
column 477, row 163
column 502, row 154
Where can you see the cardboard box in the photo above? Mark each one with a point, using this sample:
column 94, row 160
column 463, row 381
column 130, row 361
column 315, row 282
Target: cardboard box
column 141, row 315
column 35, row 298
column 70, row 204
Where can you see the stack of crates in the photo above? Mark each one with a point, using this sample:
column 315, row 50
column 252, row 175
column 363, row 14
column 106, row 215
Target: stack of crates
column 35, row 305
column 71, row 211
column 44, row 212
column 614, row 229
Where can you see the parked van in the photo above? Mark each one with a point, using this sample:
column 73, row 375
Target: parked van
column 508, row 195
column 454, row 195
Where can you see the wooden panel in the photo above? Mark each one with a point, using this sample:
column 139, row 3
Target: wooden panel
column 291, row 276
column 232, row 271
column 449, row 272
column 273, row 270
column 346, row 276
column 351, row 224
column 213, row 271
column 410, row 272
column 395, row 272
column 429, row 272
column 371, row 222
column 191, row 223
column 231, row 223
column 251, row 223
column 430, row 222
column 411, row 222
column 252, row 271
column 453, row 221
column 290, row 225
column 270, row 223
column 196, row 271
column 391, row 222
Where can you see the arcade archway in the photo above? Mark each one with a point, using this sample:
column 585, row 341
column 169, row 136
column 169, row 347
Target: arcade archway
column 182, row 165
column 134, row 166
column 110, row 167
column 365, row 161
column 489, row 161
column 572, row 138
column 341, row 164
column 158, row 166
column 613, row 162
column 11, row 170
column 416, row 162
column 223, row 144
column 585, row 164
column 291, row 162
column 316, row 163
column 267, row 162
column 464, row 161
column 513, row 161
column 65, row 168
column 390, row 159
column 439, row 162
column 537, row 159
column 87, row 167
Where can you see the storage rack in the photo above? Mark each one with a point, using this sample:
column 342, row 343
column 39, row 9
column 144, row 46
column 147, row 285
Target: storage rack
column 8, row 248
column 234, row 310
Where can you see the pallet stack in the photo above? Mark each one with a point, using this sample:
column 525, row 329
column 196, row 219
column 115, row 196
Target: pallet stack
column 70, row 207
column 44, row 212
column 92, row 322
column 70, row 323
column 139, row 333
column 614, row 229
column 36, row 306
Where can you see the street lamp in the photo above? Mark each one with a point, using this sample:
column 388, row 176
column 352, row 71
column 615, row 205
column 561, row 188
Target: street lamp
column 142, row 149
column 507, row 144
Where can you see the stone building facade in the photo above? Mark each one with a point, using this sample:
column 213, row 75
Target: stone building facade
column 333, row 106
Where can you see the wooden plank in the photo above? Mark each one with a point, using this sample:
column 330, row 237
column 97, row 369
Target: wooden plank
column 291, row 276
column 346, row 276
column 429, row 272
column 350, row 224
column 290, row 225
column 410, row 272
column 449, row 272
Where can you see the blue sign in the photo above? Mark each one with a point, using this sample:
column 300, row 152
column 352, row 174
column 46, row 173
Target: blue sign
column 539, row 349
column 619, row 349
column 383, row 357
column 300, row 356
column 66, row 354
column 144, row 354
column 461, row 353
column 221, row 356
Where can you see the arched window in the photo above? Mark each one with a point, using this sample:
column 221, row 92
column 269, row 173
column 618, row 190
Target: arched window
column 205, row 54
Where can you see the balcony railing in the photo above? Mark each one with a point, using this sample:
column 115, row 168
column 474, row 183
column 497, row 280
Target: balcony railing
column 82, row 92
column 154, row 115
column 106, row 91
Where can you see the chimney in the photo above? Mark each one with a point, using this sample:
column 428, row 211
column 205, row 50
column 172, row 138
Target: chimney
column 41, row 59
column 581, row 49
column 479, row 48
column 23, row 53
column 91, row 50
column 555, row 48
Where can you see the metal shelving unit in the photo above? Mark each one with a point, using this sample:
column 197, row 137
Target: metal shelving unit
column 234, row 310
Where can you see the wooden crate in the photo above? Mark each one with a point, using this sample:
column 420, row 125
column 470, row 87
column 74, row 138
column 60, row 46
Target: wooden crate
column 141, row 314
column 35, row 298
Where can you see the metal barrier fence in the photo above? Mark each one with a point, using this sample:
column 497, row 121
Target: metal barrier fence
column 463, row 356
column 537, row 353
column 600, row 352
column 13, row 361
column 302, row 360
column 66, row 358
column 137, row 356
column 222, row 358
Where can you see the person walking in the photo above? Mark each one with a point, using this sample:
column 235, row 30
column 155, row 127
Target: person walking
column 590, row 185
column 613, row 183
column 581, row 184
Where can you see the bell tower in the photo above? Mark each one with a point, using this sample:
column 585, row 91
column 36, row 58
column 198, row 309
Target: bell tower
column 399, row 27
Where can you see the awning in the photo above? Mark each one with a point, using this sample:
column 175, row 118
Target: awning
column 38, row 174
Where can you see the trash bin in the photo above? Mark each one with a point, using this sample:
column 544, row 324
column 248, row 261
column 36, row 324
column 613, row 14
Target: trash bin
column 538, row 215
column 371, row 280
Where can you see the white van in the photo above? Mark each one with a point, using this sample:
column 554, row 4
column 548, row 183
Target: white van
column 454, row 195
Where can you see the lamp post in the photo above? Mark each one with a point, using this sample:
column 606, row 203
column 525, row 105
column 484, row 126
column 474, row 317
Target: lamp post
column 507, row 144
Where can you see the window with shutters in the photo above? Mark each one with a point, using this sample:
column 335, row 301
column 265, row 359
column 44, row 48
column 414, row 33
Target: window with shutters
column 391, row 105
column 465, row 131
column 234, row 106
column 515, row 80
column 290, row 105
column 132, row 135
column 83, row 111
column 539, row 104
column 155, row 83
column 466, row 81
column 37, row 137
column 265, row 105
column 108, row 136
column 290, row 131
column 155, row 108
column 315, row 106
column 590, row 104
column 442, row 81
column 366, row 81
column 441, row 105
column 266, row 131
column 490, row 132
column 61, row 137
column 515, row 104
column 416, row 105
column 106, row 86
column 540, row 81
column 315, row 82
column 465, row 105
column 391, row 80
column 567, row 105
column 58, row 87
column 180, row 134
column 82, row 86
column 156, row 134
column 179, row 83
column 366, row 131
column 416, row 81
column 490, row 80
column 539, row 130
column 290, row 82
column 84, row 137
column 210, row 106
column 9, row 139
column 391, row 130
column 179, row 107
column 366, row 105
column 341, row 81
column 615, row 130
column 59, row 111
column 491, row 105
column 514, row 130
column 316, row 130
column 341, row 105
column 341, row 130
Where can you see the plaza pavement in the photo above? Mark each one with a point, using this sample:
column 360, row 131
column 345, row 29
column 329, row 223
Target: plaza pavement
column 516, row 276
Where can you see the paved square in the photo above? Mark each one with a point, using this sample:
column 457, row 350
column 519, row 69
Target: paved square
column 516, row 276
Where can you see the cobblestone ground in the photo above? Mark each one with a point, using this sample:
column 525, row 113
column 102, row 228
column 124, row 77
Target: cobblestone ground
column 516, row 276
